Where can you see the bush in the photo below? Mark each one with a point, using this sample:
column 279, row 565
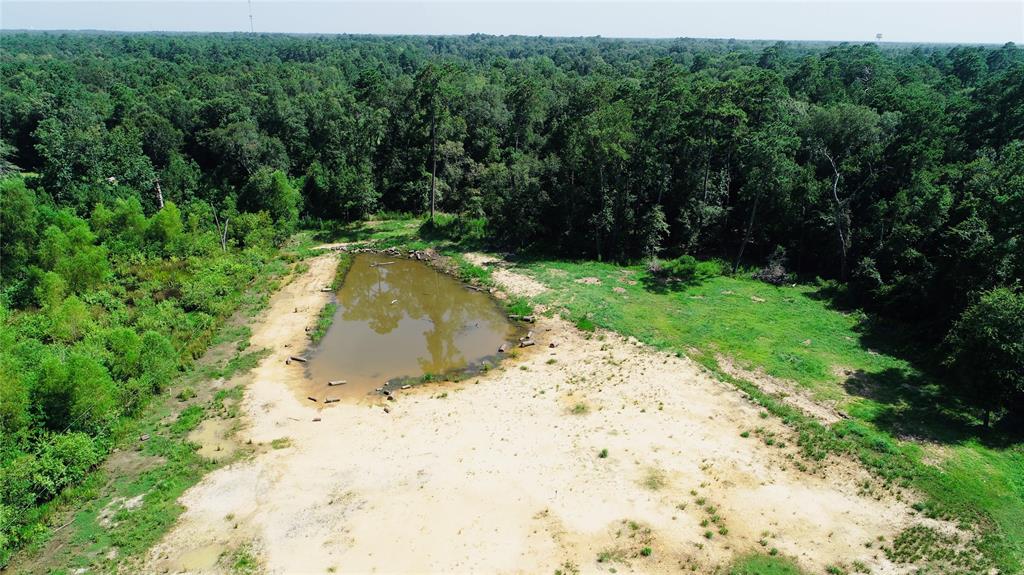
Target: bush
column 685, row 269
column 63, row 461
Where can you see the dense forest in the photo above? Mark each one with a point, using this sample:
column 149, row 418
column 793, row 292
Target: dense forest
column 147, row 177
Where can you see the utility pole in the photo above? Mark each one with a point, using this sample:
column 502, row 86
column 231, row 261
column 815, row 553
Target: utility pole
column 251, row 29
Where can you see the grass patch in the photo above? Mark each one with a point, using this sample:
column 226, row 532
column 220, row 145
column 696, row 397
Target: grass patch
column 764, row 565
column 654, row 479
column 580, row 409
column 323, row 322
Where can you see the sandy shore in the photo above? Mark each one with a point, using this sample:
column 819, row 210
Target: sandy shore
column 502, row 473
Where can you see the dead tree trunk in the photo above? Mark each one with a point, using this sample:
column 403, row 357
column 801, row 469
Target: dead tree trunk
column 839, row 215
column 159, row 195
column 433, row 155
column 222, row 231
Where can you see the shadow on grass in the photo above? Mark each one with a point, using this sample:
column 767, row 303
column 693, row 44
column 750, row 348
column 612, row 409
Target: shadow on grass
column 921, row 402
column 661, row 286
column 335, row 231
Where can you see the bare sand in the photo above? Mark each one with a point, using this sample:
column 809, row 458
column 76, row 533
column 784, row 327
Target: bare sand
column 502, row 473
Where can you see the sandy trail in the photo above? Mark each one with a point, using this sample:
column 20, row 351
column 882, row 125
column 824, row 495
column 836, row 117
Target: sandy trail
column 499, row 474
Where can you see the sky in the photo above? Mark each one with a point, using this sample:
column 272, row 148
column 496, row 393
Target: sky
column 961, row 21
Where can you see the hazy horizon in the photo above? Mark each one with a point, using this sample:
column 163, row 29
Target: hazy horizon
column 982, row 22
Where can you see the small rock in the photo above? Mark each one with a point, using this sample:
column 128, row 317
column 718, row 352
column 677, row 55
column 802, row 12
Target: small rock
column 315, row 419
column 387, row 409
column 806, row 342
column 553, row 344
column 391, row 398
column 144, row 437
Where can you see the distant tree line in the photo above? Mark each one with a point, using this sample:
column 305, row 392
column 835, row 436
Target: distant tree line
column 897, row 171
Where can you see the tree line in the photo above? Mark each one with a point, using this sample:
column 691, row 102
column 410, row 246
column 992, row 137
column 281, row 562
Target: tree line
column 895, row 170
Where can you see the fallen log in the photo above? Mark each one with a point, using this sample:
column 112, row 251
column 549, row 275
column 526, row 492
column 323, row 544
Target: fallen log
column 311, row 398
column 298, row 358
column 503, row 348
column 391, row 398
column 526, row 343
column 332, row 400
column 407, row 386
column 315, row 419
column 529, row 318
column 381, row 264
column 326, row 289
column 553, row 344
column 335, row 382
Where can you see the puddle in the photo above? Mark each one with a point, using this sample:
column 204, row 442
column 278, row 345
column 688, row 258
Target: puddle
column 201, row 558
column 400, row 318
column 211, row 436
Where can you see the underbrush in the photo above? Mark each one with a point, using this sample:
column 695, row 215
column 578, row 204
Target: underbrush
column 154, row 430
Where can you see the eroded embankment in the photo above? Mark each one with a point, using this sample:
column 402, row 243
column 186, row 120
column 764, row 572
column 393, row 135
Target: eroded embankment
column 594, row 449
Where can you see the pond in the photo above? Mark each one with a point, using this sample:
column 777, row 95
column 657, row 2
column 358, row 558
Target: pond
column 399, row 318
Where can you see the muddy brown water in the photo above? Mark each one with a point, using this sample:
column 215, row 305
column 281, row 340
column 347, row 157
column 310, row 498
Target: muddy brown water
column 400, row 318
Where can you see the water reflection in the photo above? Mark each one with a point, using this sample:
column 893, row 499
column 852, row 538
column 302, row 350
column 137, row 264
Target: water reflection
column 398, row 317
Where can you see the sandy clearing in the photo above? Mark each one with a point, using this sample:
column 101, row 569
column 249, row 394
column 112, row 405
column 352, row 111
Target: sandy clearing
column 513, row 282
column 499, row 474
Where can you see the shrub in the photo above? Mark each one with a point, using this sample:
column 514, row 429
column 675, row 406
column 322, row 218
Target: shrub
column 685, row 269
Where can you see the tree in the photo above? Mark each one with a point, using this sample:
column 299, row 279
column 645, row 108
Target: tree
column 986, row 348
column 269, row 190
column 771, row 167
column 848, row 138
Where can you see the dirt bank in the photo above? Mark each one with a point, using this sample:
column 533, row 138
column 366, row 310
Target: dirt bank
column 505, row 473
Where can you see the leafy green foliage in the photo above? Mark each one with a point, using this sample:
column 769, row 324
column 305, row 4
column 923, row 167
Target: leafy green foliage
column 987, row 348
column 105, row 314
